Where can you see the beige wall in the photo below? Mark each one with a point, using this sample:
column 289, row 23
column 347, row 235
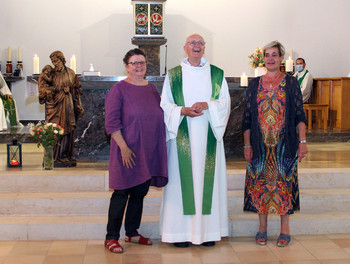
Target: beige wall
column 100, row 32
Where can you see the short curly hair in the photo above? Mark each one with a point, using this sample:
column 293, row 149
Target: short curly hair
column 274, row 44
column 59, row 55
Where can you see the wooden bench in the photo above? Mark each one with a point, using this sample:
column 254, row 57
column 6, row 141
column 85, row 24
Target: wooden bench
column 323, row 108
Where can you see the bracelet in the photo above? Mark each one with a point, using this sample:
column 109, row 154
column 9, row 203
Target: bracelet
column 247, row 146
column 302, row 141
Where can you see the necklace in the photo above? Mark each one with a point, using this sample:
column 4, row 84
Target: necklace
column 272, row 83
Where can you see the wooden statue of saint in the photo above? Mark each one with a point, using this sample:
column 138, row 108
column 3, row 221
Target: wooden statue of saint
column 60, row 91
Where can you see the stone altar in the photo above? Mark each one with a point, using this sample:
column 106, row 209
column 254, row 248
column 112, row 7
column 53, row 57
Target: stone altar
column 92, row 141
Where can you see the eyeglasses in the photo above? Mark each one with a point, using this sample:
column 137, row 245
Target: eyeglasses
column 135, row 63
column 193, row 43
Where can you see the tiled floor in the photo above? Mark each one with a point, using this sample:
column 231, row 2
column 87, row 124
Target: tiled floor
column 303, row 249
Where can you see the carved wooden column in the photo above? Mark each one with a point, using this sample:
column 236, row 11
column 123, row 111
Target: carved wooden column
column 148, row 31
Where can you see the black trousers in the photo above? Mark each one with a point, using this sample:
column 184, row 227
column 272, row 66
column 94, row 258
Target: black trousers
column 134, row 198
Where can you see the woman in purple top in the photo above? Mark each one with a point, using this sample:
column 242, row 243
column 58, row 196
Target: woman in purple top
column 138, row 157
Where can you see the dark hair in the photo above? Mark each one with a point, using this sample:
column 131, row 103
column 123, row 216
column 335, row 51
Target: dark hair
column 274, row 44
column 301, row 59
column 59, row 55
column 131, row 53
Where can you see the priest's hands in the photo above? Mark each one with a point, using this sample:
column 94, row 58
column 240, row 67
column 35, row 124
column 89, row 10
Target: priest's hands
column 195, row 110
column 7, row 96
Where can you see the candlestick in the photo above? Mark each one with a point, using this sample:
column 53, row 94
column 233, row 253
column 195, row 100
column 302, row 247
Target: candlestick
column 19, row 57
column 289, row 65
column 73, row 63
column 244, row 80
column 9, row 54
column 9, row 67
column 35, row 64
column 19, row 65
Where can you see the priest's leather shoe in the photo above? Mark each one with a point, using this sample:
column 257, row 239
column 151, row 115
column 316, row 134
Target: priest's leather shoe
column 208, row 244
column 182, row 244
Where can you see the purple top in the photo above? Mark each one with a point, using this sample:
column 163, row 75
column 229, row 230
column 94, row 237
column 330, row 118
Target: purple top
column 135, row 110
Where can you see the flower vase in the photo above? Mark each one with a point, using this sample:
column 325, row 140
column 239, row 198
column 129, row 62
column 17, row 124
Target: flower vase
column 259, row 71
column 48, row 158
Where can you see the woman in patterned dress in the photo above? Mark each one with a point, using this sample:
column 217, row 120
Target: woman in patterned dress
column 274, row 128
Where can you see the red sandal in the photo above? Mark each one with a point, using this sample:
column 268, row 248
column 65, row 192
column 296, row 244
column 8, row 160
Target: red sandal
column 111, row 245
column 138, row 239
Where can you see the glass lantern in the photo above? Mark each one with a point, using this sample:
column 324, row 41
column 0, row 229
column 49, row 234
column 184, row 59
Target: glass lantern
column 14, row 154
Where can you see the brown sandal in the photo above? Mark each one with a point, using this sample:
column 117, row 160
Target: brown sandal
column 138, row 239
column 113, row 246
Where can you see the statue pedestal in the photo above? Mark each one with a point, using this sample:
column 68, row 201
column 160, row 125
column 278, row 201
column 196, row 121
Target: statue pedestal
column 151, row 47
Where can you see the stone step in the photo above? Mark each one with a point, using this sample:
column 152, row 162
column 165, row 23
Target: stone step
column 309, row 178
column 94, row 227
column 80, row 180
column 96, row 203
column 57, row 180
column 311, row 200
column 300, row 223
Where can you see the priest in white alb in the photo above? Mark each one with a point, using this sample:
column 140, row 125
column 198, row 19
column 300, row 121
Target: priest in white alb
column 304, row 78
column 8, row 113
column 196, row 104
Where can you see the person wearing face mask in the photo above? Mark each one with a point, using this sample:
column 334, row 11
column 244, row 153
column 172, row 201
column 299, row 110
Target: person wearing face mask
column 304, row 78
column 196, row 104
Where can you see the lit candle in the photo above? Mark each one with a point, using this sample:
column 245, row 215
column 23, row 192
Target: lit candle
column 35, row 64
column 9, row 54
column 19, row 54
column 289, row 65
column 244, row 80
column 73, row 63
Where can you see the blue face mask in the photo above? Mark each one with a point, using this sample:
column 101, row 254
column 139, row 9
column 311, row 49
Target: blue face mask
column 299, row 68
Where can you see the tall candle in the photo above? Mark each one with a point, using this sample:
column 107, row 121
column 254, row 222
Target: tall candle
column 73, row 63
column 35, row 64
column 9, row 54
column 19, row 54
column 289, row 65
column 291, row 54
column 244, row 80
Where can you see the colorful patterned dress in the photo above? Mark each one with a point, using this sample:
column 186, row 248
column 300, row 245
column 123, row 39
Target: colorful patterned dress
column 271, row 179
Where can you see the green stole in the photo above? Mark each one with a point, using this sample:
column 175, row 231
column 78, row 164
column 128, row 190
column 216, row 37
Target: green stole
column 183, row 145
column 302, row 78
column 10, row 109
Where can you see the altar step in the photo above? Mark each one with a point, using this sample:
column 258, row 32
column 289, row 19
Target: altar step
column 76, row 180
column 94, row 227
column 73, row 204
column 96, row 203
